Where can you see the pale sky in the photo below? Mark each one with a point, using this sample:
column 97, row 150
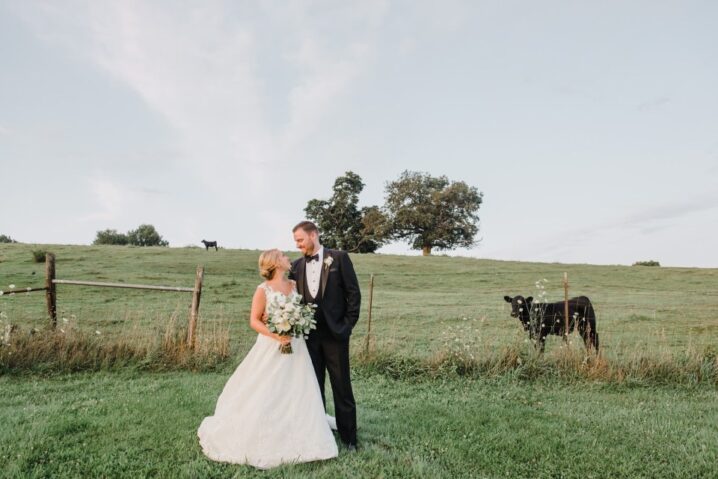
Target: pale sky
column 590, row 127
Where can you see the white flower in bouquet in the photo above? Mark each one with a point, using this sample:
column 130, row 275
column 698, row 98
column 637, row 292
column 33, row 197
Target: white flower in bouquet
column 283, row 325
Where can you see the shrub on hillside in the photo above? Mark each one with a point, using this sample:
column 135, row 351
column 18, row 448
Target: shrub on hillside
column 39, row 255
column 646, row 263
column 109, row 236
column 6, row 239
column 144, row 235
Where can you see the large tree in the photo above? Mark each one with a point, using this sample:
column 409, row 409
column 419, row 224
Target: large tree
column 342, row 224
column 432, row 212
column 146, row 235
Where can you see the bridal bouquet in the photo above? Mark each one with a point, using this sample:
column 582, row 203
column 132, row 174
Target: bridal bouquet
column 287, row 316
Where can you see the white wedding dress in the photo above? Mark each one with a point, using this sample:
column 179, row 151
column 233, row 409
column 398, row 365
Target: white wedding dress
column 270, row 411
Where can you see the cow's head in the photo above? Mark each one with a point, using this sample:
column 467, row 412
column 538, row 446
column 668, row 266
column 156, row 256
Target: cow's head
column 521, row 308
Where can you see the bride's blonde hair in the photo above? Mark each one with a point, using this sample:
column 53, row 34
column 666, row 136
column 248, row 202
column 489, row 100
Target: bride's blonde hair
column 268, row 262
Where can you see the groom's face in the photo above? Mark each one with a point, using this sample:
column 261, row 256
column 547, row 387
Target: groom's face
column 305, row 241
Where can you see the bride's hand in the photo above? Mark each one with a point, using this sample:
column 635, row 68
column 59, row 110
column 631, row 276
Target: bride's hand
column 283, row 339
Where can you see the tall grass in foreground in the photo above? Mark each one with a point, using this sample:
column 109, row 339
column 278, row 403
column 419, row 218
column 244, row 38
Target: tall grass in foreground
column 462, row 354
column 68, row 349
column 564, row 364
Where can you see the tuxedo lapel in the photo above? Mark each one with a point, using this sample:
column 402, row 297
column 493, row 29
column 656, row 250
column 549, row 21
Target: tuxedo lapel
column 325, row 270
column 301, row 277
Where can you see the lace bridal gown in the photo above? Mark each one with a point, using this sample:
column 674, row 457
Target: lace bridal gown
column 270, row 411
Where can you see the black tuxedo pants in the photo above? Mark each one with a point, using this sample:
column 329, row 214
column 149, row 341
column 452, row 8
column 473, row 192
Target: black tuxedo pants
column 330, row 354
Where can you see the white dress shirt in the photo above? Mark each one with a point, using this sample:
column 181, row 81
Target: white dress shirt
column 313, row 273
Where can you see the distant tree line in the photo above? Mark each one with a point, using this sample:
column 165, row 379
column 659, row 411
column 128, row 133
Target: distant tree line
column 144, row 235
column 428, row 212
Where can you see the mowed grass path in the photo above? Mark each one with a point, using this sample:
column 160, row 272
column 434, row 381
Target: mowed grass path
column 144, row 425
column 419, row 302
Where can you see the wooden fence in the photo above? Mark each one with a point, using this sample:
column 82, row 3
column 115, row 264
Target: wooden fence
column 51, row 293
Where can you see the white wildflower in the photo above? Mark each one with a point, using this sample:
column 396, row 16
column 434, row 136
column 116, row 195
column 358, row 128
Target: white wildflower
column 12, row 286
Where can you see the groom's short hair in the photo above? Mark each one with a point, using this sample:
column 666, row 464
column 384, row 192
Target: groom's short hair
column 307, row 226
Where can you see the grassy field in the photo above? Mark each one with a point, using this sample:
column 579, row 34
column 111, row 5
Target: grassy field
column 144, row 425
column 423, row 410
column 419, row 303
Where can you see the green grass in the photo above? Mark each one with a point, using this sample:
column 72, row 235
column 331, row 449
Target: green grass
column 144, row 425
column 416, row 299
column 647, row 408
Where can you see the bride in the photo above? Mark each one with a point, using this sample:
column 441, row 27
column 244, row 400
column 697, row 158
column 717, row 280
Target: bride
column 270, row 411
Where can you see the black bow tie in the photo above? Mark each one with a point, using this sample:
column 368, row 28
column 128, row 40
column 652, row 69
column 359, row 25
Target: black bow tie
column 312, row 258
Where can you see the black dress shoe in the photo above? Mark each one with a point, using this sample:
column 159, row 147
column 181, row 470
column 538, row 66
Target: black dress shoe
column 351, row 448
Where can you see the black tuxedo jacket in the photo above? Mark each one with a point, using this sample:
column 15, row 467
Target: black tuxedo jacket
column 340, row 296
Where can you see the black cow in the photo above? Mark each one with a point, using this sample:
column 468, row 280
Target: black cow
column 542, row 319
column 210, row 244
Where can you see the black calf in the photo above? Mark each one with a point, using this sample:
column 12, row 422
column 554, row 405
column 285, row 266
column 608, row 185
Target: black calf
column 542, row 319
column 210, row 244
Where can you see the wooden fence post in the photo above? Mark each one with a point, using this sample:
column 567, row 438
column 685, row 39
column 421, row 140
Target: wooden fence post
column 50, row 292
column 194, row 311
column 565, row 305
column 368, row 329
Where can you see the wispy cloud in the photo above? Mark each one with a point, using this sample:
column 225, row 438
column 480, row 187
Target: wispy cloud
column 209, row 85
column 149, row 191
column 114, row 201
column 653, row 104
column 203, row 69
column 668, row 211
column 110, row 199
column 644, row 222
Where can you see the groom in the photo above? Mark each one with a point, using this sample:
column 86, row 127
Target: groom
column 326, row 278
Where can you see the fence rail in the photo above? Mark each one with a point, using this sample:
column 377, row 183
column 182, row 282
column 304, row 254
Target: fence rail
column 123, row 285
column 51, row 293
column 22, row 290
